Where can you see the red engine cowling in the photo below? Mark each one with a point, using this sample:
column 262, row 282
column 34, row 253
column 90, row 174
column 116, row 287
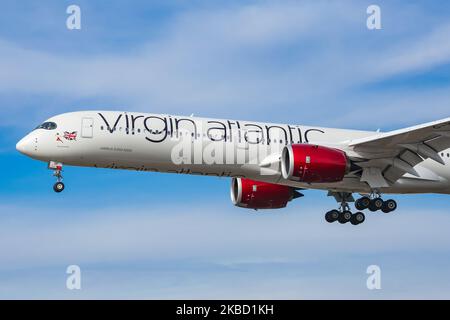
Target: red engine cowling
column 252, row 194
column 313, row 164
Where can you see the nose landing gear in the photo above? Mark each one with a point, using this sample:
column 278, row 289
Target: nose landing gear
column 57, row 169
column 58, row 187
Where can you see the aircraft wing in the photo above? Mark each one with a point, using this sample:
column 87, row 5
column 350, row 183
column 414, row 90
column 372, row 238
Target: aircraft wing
column 386, row 157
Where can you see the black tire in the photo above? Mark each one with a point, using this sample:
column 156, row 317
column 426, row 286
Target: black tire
column 358, row 205
column 332, row 216
column 344, row 217
column 58, row 187
column 389, row 206
column 376, row 204
column 362, row 203
column 358, row 218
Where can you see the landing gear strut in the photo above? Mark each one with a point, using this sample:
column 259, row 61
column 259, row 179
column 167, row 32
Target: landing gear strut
column 344, row 215
column 57, row 169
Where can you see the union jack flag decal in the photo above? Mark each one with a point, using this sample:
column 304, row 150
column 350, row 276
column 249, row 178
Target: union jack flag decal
column 70, row 135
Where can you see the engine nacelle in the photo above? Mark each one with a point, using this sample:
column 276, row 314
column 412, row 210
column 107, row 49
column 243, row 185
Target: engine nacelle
column 252, row 194
column 313, row 164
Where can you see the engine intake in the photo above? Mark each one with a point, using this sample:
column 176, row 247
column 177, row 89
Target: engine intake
column 313, row 163
column 252, row 194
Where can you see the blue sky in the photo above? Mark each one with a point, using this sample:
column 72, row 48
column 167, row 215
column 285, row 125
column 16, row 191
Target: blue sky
column 143, row 235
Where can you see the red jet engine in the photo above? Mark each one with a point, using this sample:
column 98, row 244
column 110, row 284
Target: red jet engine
column 313, row 164
column 252, row 194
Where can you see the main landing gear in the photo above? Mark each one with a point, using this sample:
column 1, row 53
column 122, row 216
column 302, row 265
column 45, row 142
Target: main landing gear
column 375, row 203
column 344, row 215
column 57, row 169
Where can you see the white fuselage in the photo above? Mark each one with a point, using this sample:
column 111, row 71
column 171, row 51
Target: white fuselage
column 212, row 147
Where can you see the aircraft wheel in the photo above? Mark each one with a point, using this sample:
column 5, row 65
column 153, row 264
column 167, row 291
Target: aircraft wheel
column 357, row 218
column 344, row 217
column 362, row 203
column 58, row 187
column 332, row 216
column 376, row 204
column 389, row 206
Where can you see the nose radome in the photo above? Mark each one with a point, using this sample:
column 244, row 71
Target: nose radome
column 24, row 145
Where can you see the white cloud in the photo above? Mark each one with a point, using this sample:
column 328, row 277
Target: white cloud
column 171, row 252
column 394, row 109
column 418, row 54
column 45, row 238
column 298, row 57
column 287, row 60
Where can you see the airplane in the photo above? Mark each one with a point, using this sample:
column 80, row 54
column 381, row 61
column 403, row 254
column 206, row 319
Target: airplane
column 270, row 164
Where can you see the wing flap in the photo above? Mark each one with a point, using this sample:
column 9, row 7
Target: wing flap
column 398, row 152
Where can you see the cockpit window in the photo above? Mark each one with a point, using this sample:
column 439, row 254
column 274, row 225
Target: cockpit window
column 47, row 126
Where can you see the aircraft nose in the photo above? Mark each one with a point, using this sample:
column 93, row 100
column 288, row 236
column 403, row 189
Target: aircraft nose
column 25, row 145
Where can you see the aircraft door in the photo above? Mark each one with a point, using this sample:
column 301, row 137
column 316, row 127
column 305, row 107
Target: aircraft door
column 87, row 127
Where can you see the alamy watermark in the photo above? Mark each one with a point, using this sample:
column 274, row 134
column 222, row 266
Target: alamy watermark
column 374, row 19
column 374, row 280
column 73, row 21
column 245, row 147
column 73, row 281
